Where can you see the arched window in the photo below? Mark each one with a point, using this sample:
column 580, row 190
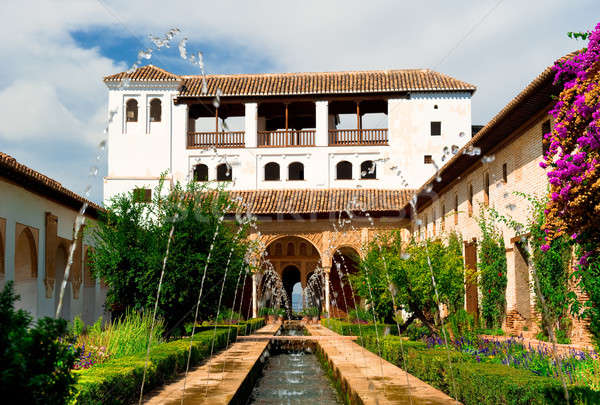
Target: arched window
column 343, row 170
column 224, row 172
column 278, row 250
column 201, row 172
column 271, row 171
column 290, row 249
column 155, row 110
column 132, row 110
column 368, row 170
column 296, row 171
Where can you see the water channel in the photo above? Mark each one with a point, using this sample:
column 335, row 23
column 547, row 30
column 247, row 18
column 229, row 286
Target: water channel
column 293, row 377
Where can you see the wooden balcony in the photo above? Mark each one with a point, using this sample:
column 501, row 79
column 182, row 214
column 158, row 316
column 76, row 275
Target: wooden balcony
column 285, row 139
column 201, row 140
column 343, row 137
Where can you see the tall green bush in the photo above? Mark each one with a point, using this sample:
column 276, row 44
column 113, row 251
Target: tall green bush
column 35, row 359
column 492, row 272
column 130, row 244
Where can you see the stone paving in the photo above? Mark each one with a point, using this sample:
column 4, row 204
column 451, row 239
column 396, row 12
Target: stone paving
column 220, row 378
column 368, row 379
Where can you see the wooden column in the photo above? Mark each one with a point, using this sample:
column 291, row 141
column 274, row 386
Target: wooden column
column 358, row 121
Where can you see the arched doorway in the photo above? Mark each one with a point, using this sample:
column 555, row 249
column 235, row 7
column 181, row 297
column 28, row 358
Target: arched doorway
column 290, row 276
column 26, row 272
column 61, row 264
column 292, row 258
column 343, row 263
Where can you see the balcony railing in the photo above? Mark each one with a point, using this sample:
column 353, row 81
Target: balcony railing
column 198, row 140
column 290, row 138
column 344, row 137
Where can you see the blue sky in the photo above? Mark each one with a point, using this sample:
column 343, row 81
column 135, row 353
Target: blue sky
column 53, row 101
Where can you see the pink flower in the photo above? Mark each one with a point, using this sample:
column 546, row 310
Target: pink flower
column 545, row 248
column 574, row 236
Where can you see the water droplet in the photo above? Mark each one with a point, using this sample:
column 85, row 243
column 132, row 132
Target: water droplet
column 428, row 188
column 87, row 191
column 363, row 173
column 446, row 150
column 94, row 171
column 505, row 195
column 488, row 158
column 102, row 145
column 147, row 54
column 438, row 179
column 418, row 222
column 476, row 151
column 511, row 206
column 405, row 256
column 461, row 134
column 455, row 149
column 182, row 49
column 217, row 99
column 443, row 158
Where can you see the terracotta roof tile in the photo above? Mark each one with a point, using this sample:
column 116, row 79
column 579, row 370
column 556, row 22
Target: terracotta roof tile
column 37, row 182
column 321, row 201
column 282, row 84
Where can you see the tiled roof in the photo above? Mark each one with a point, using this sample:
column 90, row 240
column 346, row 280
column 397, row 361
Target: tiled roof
column 320, row 201
column 143, row 74
column 287, row 84
column 41, row 184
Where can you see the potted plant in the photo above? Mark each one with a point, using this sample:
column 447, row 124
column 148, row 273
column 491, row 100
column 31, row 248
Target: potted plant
column 280, row 313
column 268, row 314
column 312, row 313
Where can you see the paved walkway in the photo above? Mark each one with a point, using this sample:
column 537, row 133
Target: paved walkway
column 219, row 379
column 368, row 379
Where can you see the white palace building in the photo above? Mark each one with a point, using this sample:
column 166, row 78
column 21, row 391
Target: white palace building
column 359, row 129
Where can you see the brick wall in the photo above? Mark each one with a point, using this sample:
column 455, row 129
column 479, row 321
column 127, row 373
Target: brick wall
column 521, row 152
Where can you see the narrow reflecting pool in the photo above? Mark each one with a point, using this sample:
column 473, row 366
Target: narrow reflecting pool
column 293, row 378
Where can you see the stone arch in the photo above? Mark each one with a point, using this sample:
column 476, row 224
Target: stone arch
column 343, row 263
column 26, row 264
column 61, row 258
column 290, row 276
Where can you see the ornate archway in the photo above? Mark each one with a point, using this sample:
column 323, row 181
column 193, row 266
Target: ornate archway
column 343, row 263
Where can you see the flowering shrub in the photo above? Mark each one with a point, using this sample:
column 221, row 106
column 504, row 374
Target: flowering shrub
column 573, row 158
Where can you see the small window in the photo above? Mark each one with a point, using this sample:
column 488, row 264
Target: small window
column 470, row 206
column 142, row 195
column 455, row 209
column 272, row 171
column 435, row 107
column 201, row 173
column 155, row 110
column 224, row 172
column 290, row 249
column 296, row 171
column 368, row 170
column 436, row 128
column 428, row 160
column 545, row 130
column 132, row 110
column 486, row 188
column 504, row 172
column 344, row 170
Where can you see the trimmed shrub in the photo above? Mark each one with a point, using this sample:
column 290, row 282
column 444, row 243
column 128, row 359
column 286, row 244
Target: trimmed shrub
column 355, row 329
column 477, row 383
column 118, row 381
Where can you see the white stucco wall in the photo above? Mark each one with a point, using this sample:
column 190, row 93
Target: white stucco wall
column 139, row 153
column 29, row 209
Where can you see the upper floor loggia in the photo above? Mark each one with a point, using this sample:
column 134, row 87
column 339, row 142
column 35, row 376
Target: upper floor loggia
column 282, row 110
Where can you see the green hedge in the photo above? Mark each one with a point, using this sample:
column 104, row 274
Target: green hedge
column 243, row 328
column 477, row 383
column 354, row 329
column 118, row 381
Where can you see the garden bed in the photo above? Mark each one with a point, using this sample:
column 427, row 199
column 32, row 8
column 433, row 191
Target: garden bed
column 118, row 381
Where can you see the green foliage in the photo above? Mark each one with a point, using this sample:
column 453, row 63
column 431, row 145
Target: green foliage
column 35, row 360
column 360, row 314
column 492, row 272
column 125, row 336
column 477, row 383
column 462, row 323
column 579, row 35
column 130, row 244
column 228, row 315
column 410, row 274
column 311, row 312
column 589, row 281
column 77, row 327
column 118, row 381
column 359, row 329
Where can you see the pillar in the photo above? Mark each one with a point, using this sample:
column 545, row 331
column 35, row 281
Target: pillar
column 254, row 302
column 251, row 124
column 322, row 123
column 326, row 271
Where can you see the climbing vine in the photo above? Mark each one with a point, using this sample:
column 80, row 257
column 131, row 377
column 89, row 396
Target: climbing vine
column 573, row 159
column 492, row 272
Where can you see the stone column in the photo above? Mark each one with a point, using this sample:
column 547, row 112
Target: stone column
column 254, row 302
column 250, row 124
column 326, row 270
column 322, row 123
